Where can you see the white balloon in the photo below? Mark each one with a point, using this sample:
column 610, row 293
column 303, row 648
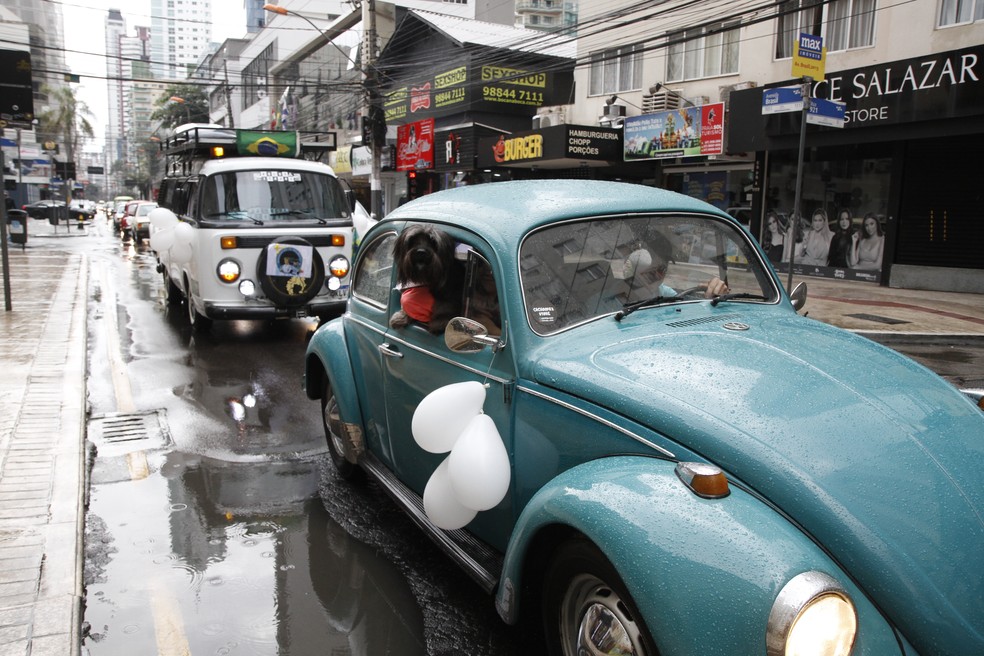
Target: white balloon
column 162, row 218
column 479, row 465
column 181, row 252
column 441, row 506
column 183, row 233
column 444, row 413
column 162, row 240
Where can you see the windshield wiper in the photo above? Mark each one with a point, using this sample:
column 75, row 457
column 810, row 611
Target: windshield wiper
column 307, row 213
column 234, row 214
column 629, row 308
column 731, row 297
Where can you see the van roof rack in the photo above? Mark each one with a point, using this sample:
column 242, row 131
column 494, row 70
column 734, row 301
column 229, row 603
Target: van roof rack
column 193, row 142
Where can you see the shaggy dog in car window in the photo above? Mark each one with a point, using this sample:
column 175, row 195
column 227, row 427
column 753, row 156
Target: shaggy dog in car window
column 430, row 277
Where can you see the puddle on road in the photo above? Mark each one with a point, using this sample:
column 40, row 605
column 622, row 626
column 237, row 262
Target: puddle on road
column 204, row 556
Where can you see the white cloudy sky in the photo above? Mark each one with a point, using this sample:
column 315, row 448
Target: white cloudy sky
column 85, row 36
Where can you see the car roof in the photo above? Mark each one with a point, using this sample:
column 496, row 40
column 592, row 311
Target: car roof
column 513, row 208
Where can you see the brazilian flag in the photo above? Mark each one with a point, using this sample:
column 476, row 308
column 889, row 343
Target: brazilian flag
column 267, row 143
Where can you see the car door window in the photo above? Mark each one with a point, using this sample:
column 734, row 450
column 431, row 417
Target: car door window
column 373, row 276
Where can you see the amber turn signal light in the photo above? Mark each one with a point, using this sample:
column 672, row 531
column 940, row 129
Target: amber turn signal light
column 704, row 480
column 227, row 242
column 338, row 240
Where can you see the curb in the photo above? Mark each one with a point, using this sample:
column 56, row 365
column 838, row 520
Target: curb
column 889, row 338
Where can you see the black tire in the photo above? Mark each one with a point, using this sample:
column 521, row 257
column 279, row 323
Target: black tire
column 329, row 414
column 172, row 294
column 198, row 321
column 582, row 586
column 291, row 291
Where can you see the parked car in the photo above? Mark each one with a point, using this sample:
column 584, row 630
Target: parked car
column 136, row 223
column 81, row 211
column 635, row 464
column 42, row 209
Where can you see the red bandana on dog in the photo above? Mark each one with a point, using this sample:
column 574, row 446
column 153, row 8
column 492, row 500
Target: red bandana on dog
column 418, row 303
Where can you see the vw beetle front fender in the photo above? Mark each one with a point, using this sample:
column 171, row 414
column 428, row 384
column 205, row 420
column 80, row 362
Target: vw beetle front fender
column 704, row 573
column 327, row 355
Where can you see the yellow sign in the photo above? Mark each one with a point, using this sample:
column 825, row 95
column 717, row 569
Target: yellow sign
column 809, row 56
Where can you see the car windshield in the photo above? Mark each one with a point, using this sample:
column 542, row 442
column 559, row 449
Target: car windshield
column 272, row 195
column 143, row 210
column 577, row 271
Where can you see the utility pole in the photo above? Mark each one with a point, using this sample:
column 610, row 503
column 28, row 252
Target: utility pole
column 373, row 109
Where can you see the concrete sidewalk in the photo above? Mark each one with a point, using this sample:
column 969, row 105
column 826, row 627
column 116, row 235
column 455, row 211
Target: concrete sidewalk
column 43, row 418
column 42, row 438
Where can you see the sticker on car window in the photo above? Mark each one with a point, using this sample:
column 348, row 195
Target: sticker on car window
column 544, row 314
column 277, row 176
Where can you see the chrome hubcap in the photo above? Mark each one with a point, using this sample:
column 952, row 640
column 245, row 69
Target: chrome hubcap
column 595, row 621
column 331, row 419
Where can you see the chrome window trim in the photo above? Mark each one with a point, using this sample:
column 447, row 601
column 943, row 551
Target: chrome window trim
column 600, row 420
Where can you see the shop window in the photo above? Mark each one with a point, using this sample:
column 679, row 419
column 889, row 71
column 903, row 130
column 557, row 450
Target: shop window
column 843, row 24
column 616, row 69
column 958, row 12
column 703, row 52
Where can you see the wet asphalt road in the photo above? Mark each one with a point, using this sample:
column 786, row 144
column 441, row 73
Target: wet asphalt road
column 206, row 530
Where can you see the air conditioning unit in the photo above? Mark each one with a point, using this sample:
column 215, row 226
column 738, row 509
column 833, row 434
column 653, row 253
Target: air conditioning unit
column 725, row 91
column 614, row 110
column 661, row 101
column 549, row 116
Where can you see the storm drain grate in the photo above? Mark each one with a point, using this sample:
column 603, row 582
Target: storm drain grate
column 878, row 319
column 130, row 431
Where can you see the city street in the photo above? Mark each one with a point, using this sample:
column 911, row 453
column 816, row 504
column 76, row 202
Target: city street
column 205, row 530
column 214, row 522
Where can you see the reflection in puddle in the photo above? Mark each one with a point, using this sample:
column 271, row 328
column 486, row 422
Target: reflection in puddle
column 240, row 558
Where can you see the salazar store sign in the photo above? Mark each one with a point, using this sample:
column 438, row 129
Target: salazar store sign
column 474, row 87
column 684, row 132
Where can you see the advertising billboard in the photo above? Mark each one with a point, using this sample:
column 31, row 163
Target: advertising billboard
column 683, row 132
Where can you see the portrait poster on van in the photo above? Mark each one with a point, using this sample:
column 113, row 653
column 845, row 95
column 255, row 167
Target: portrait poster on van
column 415, row 146
column 289, row 260
column 682, row 132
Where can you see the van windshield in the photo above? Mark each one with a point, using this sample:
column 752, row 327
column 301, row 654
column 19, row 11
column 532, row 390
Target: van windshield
column 263, row 196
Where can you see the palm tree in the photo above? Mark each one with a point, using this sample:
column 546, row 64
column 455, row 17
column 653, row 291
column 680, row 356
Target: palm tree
column 181, row 103
column 66, row 120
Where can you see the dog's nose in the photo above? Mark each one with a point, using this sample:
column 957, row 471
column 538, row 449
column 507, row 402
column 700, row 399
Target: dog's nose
column 420, row 256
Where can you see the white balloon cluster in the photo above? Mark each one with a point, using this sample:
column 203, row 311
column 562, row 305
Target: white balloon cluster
column 167, row 234
column 475, row 476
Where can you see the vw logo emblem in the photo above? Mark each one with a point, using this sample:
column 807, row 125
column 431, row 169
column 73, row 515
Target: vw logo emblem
column 735, row 325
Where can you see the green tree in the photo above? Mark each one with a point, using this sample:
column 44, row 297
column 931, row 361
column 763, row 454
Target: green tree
column 66, row 120
column 181, row 103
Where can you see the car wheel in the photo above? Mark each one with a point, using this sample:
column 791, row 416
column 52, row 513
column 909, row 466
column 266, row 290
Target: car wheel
column 199, row 322
column 586, row 607
column 336, row 447
column 172, row 295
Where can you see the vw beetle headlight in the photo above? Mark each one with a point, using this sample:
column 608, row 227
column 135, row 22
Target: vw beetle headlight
column 228, row 270
column 812, row 616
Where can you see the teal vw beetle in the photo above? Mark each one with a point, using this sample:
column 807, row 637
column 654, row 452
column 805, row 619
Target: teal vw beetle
column 599, row 400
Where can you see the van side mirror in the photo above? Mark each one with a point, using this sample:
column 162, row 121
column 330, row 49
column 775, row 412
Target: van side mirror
column 350, row 198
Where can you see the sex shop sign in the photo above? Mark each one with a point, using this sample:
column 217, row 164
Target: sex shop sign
column 415, row 146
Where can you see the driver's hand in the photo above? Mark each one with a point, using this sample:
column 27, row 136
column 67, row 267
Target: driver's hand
column 715, row 287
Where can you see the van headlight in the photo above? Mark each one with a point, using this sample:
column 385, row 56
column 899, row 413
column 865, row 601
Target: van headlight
column 338, row 266
column 812, row 616
column 228, row 270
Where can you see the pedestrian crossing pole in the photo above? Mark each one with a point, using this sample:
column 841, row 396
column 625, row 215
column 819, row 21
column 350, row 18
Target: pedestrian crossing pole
column 3, row 240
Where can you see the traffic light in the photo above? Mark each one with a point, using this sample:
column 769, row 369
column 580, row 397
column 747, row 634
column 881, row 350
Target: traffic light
column 413, row 185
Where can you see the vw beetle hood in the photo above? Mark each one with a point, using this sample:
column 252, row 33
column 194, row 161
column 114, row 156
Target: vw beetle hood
column 878, row 458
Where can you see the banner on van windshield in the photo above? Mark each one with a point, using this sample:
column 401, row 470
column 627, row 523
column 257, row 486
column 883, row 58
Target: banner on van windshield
column 267, row 143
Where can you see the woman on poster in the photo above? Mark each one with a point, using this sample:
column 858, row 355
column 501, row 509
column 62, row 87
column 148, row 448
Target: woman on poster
column 774, row 241
column 868, row 245
column 842, row 241
column 816, row 243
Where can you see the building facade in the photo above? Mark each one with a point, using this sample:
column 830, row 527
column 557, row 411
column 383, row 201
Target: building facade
column 901, row 168
column 181, row 31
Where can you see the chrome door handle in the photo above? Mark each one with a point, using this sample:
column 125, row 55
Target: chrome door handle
column 389, row 351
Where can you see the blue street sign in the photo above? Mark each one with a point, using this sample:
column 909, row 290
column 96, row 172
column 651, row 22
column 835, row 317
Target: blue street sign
column 782, row 99
column 826, row 112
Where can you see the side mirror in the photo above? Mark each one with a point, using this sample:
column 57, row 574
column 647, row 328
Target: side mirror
column 798, row 296
column 469, row 336
column 350, row 198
